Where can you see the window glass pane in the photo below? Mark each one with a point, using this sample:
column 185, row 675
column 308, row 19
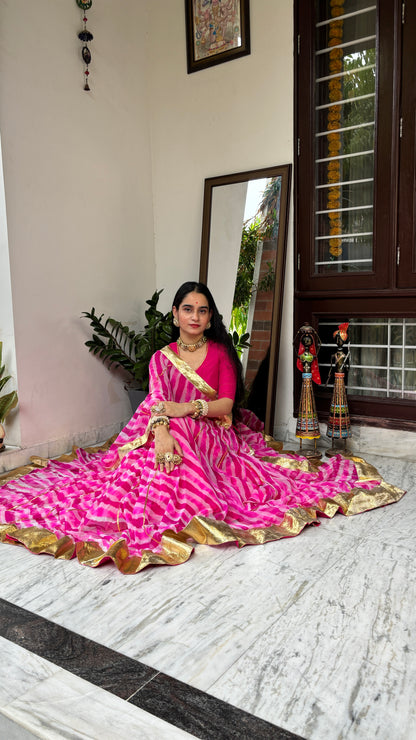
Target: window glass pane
column 324, row 7
column 396, row 334
column 410, row 358
column 345, row 98
column 353, row 196
column 351, row 219
column 410, row 329
column 380, row 364
column 360, row 380
column 410, row 384
column 396, row 358
column 395, row 380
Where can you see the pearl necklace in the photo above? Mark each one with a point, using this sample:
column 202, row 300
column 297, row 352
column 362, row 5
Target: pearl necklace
column 191, row 347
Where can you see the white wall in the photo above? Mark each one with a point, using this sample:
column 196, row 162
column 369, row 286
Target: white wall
column 77, row 173
column 8, row 359
column 228, row 118
column 104, row 190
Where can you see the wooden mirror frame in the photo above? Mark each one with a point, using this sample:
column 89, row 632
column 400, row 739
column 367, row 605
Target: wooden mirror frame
column 283, row 171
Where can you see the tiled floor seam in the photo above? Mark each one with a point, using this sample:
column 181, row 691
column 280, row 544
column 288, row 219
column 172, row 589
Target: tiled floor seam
column 129, row 698
column 192, row 706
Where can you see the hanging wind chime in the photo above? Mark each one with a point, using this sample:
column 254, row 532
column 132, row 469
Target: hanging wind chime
column 85, row 36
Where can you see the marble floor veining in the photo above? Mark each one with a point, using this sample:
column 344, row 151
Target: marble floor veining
column 311, row 634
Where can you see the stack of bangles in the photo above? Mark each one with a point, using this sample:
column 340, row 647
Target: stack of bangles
column 160, row 420
column 157, row 421
column 201, row 408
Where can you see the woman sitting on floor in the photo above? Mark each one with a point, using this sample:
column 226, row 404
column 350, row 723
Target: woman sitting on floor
column 189, row 465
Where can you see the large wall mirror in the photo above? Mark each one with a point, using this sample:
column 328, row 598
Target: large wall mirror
column 243, row 255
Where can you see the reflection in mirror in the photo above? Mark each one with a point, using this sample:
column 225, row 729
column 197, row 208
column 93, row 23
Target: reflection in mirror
column 243, row 251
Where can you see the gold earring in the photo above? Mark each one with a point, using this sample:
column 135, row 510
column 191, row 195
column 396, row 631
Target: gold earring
column 208, row 326
column 175, row 321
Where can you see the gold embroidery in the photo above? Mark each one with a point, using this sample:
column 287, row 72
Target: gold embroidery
column 189, row 373
column 198, row 433
column 138, row 442
column 145, row 501
column 222, row 458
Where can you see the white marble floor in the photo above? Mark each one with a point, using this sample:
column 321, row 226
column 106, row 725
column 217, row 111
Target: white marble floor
column 40, row 700
column 312, row 634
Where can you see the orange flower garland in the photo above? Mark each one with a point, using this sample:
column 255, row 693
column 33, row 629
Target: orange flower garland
column 336, row 28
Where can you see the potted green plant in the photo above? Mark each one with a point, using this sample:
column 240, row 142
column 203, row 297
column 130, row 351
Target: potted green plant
column 7, row 401
column 119, row 346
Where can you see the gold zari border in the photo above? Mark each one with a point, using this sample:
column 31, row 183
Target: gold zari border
column 175, row 546
column 189, row 373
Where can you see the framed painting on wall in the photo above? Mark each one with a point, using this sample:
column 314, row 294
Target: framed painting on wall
column 216, row 31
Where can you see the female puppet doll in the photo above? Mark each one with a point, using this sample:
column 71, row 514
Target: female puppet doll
column 307, row 345
column 190, row 466
column 339, row 426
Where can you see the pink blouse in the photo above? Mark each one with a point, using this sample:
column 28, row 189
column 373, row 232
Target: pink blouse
column 216, row 369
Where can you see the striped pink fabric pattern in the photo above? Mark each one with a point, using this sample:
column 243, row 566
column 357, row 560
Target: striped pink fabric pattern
column 222, row 476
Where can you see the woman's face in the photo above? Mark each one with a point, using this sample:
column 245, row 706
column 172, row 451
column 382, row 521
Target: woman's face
column 193, row 314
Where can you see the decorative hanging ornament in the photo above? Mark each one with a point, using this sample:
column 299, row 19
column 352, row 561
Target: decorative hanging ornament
column 85, row 36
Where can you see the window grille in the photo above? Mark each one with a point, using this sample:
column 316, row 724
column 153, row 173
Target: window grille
column 382, row 357
column 345, row 104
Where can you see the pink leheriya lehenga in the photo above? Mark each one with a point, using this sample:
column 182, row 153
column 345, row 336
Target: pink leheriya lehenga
column 231, row 486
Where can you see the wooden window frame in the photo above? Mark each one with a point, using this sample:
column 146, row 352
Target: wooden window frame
column 390, row 289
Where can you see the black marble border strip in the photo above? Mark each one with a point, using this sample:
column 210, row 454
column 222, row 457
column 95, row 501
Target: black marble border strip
column 192, row 710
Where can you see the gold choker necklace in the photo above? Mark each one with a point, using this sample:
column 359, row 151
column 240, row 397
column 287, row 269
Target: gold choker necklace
column 191, row 347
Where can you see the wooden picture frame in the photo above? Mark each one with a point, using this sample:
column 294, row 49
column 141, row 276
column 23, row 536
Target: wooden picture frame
column 216, row 32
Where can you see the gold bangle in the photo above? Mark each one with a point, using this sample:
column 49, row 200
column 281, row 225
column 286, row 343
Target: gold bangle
column 197, row 412
column 204, row 406
column 159, row 421
column 160, row 424
column 201, row 408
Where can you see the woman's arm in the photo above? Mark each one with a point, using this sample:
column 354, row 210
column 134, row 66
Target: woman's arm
column 178, row 410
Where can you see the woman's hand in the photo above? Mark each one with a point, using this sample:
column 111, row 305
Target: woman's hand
column 218, row 408
column 166, row 444
column 174, row 410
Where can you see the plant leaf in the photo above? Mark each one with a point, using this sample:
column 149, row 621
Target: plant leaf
column 7, row 403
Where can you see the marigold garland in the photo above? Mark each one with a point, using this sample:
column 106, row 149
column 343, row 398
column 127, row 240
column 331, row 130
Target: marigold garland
column 335, row 36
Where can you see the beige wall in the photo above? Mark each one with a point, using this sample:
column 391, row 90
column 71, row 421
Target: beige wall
column 104, row 189
column 77, row 173
column 228, row 118
column 84, row 174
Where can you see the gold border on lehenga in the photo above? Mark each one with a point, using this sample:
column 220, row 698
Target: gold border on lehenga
column 177, row 547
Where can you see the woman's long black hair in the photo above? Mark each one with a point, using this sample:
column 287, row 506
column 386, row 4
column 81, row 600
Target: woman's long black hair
column 217, row 333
